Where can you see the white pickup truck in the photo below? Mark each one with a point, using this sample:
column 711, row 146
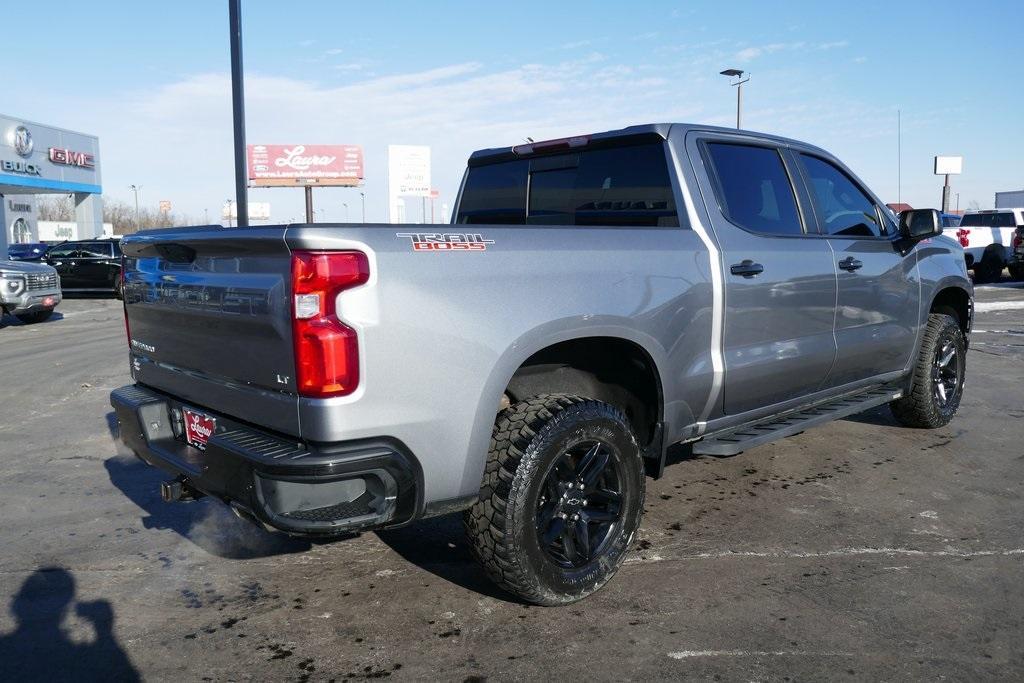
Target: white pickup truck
column 987, row 238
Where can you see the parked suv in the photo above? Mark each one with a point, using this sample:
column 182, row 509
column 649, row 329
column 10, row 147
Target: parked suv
column 29, row 291
column 595, row 300
column 88, row 265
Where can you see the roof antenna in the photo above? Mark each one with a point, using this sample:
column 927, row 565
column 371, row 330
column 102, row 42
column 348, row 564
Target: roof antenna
column 529, row 139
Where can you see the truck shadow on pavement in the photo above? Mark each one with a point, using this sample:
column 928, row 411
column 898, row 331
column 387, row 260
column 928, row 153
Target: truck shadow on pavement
column 438, row 545
column 38, row 649
column 209, row 524
column 11, row 321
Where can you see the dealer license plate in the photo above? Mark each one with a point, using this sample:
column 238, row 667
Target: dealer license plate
column 198, row 428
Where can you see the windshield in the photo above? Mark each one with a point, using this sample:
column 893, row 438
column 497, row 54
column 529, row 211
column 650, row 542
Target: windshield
column 988, row 220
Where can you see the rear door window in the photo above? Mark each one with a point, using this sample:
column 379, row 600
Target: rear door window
column 67, row 251
column 754, row 190
column 843, row 208
column 95, row 249
column 615, row 186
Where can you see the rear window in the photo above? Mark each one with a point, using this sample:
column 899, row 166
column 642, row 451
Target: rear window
column 754, row 189
column 616, row 186
column 988, row 220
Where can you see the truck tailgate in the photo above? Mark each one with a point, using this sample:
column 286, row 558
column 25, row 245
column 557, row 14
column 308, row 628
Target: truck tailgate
column 209, row 318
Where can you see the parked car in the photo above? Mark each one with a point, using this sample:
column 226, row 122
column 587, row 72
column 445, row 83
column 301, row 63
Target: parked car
column 88, row 265
column 29, row 291
column 31, row 251
column 596, row 300
column 986, row 237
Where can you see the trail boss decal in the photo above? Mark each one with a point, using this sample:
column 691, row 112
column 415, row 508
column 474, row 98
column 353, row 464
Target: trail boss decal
column 446, row 241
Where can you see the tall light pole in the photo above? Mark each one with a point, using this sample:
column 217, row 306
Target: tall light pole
column 238, row 113
column 738, row 75
column 135, row 189
column 362, row 198
column 346, row 211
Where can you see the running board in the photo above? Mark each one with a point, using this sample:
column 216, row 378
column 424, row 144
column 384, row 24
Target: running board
column 738, row 439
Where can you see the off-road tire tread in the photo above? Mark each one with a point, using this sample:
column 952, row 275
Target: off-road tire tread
column 917, row 408
column 490, row 539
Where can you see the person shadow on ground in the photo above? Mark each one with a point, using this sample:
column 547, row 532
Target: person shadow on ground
column 39, row 648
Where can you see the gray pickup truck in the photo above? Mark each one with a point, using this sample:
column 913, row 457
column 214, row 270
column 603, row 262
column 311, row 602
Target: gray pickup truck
column 28, row 291
column 595, row 300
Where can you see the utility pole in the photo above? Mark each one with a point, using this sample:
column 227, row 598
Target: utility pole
column 899, row 156
column 135, row 189
column 362, row 198
column 238, row 113
column 738, row 74
column 309, row 203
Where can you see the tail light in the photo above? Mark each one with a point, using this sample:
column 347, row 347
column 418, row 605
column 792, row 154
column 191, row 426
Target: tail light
column 1018, row 238
column 124, row 304
column 961, row 235
column 326, row 349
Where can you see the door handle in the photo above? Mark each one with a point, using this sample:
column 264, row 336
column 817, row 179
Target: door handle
column 850, row 264
column 746, row 268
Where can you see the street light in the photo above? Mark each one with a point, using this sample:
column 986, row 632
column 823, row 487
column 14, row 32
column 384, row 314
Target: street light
column 738, row 74
column 346, row 211
column 135, row 189
column 362, row 198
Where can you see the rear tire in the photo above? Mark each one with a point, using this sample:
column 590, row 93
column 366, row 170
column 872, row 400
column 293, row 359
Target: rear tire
column 34, row 317
column 561, row 499
column 938, row 376
column 988, row 269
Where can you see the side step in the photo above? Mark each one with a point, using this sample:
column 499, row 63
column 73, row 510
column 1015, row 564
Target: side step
column 738, row 439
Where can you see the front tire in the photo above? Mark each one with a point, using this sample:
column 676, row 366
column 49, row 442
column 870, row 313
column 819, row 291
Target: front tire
column 561, row 499
column 34, row 317
column 938, row 376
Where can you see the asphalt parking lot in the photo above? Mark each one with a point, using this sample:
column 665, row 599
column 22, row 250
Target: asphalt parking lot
column 859, row 550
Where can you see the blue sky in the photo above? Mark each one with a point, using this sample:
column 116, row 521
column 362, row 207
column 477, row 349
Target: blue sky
column 152, row 81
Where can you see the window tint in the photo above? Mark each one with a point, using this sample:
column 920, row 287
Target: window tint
column 843, row 207
column 988, row 220
column 754, row 188
column 625, row 186
column 95, row 249
column 495, row 194
column 551, row 197
column 69, row 251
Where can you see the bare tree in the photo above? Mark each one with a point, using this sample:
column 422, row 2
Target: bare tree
column 116, row 212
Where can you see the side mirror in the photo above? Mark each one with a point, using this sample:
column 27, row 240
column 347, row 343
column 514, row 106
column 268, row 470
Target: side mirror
column 919, row 224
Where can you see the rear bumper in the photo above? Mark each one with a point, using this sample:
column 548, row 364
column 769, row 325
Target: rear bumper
column 296, row 487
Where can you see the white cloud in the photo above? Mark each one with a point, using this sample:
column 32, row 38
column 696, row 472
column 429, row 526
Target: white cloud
column 750, row 53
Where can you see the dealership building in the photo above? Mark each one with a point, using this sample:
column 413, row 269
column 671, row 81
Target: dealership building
column 36, row 159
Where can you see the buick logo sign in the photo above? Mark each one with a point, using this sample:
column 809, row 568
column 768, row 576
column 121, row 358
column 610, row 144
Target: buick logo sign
column 21, row 140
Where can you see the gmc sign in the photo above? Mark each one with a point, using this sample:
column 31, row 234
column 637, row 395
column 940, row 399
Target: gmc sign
column 60, row 155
